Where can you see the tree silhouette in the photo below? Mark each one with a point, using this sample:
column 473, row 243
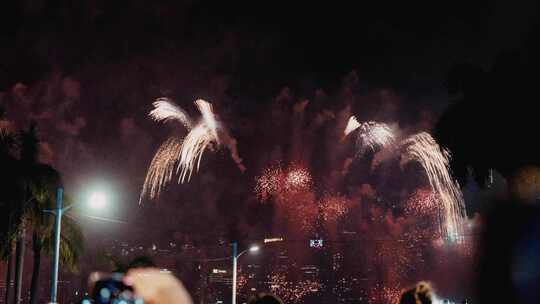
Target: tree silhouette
column 30, row 189
column 9, row 213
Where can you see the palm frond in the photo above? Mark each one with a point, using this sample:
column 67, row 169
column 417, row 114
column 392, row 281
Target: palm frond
column 71, row 243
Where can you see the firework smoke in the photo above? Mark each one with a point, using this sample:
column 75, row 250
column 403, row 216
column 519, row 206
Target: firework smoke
column 290, row 189
column 423, row 149
column 231, row 143
column 302, row 210
column 185, row 154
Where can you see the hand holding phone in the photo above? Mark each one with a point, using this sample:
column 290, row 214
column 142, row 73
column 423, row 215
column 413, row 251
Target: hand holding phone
column 110, row 288
column 157, row 287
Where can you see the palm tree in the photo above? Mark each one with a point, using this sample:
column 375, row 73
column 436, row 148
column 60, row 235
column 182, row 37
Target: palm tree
column 6, row 233
column 7, row 203
column 43, row 231
column 40, row 183
column 26, row 178
column 35, row 186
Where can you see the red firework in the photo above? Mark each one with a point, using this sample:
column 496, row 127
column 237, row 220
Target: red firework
column 291, row 292
column 423, row 202
column 297, row 179
column 277, row 181
column 269, row 183
column 385, row 294
column 334, row 207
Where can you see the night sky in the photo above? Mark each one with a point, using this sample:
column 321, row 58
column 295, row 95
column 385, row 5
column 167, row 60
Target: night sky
column 88, row 71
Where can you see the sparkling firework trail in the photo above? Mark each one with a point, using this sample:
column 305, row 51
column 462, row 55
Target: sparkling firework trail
column 192, row 150
column 352, row 125
column 162, row 167
column 208, row 118
column 373, row 136
column 423, row 149
column 186, row 154
column 166, row 111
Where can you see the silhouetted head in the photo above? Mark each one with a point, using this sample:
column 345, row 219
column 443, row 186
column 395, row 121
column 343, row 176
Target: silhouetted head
column 419, row 294
column 265, row 298
column 508, row 268
column 141, row 262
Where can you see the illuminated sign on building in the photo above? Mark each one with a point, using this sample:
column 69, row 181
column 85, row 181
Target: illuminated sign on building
column 316, row 243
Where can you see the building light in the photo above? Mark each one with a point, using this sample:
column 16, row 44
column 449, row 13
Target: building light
column 316, row 243
column 271, row 240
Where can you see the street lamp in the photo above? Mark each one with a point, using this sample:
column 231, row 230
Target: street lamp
column 96, row 200
column 236, row 255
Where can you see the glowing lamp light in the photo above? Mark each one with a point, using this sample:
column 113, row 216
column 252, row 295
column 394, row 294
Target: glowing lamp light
column 97, row 200
column 254, row 248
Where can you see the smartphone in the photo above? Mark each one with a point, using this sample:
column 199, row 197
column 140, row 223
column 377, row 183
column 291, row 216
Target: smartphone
column 110, row 289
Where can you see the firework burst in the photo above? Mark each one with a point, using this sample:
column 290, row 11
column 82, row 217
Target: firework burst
column 423, row 149
column 290, row 189
column 269, row 183
column 423, row 202
column 166, row 111
column 191, row 152
column 278, row 181
column 385, row 294
column 333, row 207
column 298, row 178
column 208, row 118
column 372, row 135
column 352, row 125
column 162, row 167
column 183, row 153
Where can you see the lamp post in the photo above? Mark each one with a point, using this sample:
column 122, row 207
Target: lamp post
column 235, row 257
column 57, row 227
column 97, row 200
